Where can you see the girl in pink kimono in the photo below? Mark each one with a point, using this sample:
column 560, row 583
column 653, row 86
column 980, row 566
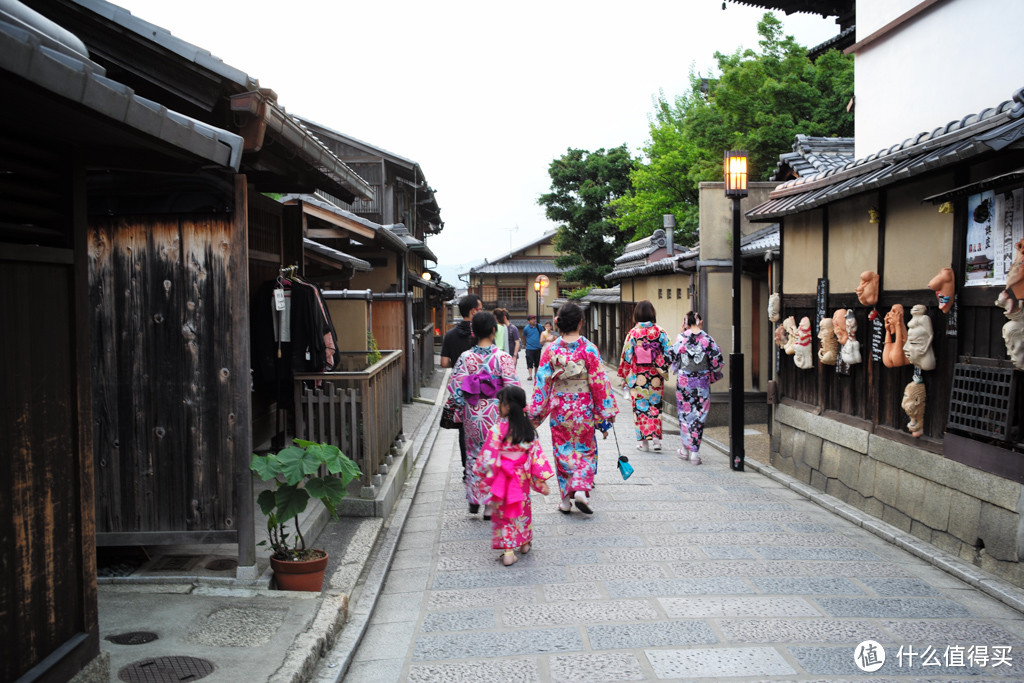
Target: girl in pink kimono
column 477, row 377
column 510, row 463
column 572, row 388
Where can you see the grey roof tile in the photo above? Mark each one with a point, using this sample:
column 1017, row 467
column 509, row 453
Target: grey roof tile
column 519, row 267
column 959, row 140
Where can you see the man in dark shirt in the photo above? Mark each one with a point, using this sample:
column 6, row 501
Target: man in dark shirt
column 456, row 341
column 532, row 335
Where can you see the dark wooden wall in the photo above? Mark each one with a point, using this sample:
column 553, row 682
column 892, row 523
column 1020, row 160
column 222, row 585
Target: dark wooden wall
column 48, row 611
column 169, row 299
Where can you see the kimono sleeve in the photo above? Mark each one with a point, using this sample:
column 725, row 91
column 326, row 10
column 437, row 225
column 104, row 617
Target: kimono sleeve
column 455, row 382
column 507, row 368
column 676, row 355
column 626, row 358
column 665, row 357
column 605, row 408
column 540, row 403
column 716, row 360
column 540, row 468
column 487, row 463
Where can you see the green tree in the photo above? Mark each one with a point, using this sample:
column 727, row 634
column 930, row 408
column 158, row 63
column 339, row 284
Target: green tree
column 583, row 185
column 760, row 101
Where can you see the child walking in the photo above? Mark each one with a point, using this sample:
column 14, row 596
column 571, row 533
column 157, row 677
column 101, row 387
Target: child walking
column 510, row 463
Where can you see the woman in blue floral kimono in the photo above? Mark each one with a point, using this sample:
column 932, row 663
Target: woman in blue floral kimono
column 572, row 388
column 697, row 362
column 644, row 367
column 477, row 377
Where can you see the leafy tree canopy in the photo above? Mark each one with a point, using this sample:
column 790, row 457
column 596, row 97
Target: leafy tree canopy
column 760, row 101
column 583, row 185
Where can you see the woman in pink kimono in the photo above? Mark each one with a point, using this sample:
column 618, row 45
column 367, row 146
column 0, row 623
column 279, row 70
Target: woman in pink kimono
column 509, row 465
column 572, row 388
column 477, row 377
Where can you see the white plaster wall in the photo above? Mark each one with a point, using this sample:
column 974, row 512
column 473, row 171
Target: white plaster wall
column 957, row 58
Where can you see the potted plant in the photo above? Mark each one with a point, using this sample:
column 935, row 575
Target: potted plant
column 295, row 472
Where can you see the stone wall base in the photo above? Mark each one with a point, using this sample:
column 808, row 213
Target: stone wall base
column 958, row 509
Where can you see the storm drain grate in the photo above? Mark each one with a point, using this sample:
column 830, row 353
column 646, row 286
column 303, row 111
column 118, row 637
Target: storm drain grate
column 133, row 638
column 173, row 563
column 166, row 670
column 222, row 565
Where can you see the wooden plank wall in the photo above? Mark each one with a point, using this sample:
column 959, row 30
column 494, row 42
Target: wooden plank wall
column 389, row 326
column 169, row 363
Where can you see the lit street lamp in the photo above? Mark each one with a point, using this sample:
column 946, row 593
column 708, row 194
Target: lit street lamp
column 736, row 188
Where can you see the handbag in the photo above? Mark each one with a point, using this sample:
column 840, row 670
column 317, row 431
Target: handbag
column 625, row 469
column 448, row 416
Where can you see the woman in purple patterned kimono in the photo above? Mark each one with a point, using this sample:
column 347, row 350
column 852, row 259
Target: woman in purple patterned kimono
column 479, row 374
column 572, row 388
column 509, row 465
column 697, row 362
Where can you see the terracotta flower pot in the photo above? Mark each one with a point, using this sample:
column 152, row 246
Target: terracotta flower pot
column 301, row 575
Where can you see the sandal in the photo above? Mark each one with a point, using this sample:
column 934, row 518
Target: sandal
column 641, row 446
column 695, row 459
column 582, row 502
column 509, row 558
column 656, row 445
column 565, row 507
column 525, row 548
column 683, row 454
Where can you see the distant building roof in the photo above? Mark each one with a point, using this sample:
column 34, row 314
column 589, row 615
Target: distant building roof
column 991, row 129
column 416, row 245
column 543, row 238
column 341, row 257
column 611, row 295
column 519, row 266
column 813, row 155
column 760, row 242
column 635, row 257
column 385, row 235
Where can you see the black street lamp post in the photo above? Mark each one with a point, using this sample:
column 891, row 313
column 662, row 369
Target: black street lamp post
column 736, row 189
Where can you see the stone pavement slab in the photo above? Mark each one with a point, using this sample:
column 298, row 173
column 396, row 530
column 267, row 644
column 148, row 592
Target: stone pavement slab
column 682, row 573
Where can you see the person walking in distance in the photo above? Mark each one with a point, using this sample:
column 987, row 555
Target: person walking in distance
column 644, row 367
column 697, row 362
column 457, row 341
column 479, row 374
column 510, row 463
column 531, row 335
column 571, row 388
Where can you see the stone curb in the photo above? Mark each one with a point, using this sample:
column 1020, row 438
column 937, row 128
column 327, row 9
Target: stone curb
column 336, row 661
column 999, row 589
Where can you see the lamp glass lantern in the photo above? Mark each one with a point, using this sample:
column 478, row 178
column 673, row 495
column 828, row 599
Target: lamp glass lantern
column 735, row 173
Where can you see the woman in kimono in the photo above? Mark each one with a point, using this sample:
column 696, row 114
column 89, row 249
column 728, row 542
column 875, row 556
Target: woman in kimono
column 477, row 377
column 572, row 388
column 644, row 367
column 697, row 362
column 509, row 465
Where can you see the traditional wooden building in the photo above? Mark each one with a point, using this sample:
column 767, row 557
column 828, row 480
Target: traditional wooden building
column 938, row 199
column 72, row 140
column 176, row 262
column 507, row 281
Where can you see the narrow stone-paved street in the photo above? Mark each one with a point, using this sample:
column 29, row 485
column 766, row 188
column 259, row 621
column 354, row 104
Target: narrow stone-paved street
column 683, row 572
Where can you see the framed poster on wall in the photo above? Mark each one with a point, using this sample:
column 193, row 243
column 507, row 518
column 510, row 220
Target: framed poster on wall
column 995, row 222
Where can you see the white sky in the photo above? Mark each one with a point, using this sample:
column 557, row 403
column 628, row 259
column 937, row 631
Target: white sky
column 483, row 96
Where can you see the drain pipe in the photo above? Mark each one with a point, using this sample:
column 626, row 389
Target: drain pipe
column 668, row 221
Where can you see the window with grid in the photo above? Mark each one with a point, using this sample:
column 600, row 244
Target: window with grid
column 513, row 297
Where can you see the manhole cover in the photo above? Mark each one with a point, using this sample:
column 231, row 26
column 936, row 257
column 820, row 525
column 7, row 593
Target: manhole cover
column 166, row 670
column 133, row 638
column 222, row 565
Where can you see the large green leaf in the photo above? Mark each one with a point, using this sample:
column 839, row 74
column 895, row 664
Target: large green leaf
column 266, row 467
column 290, row 502
column 339, row 463
column 267, row 502
column 296, row 463
column 330, row 490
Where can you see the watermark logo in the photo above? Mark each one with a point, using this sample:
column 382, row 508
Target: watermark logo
column 869, row 656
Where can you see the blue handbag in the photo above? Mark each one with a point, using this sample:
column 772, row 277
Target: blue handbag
column 625, row 469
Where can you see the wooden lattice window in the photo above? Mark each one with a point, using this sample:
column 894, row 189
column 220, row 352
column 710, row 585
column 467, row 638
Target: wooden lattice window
column 981, row 401
column 512, row 297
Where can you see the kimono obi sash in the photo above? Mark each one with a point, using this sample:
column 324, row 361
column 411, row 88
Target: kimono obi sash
column 571, row 386
column 483, row 384
column 507, row 486
column 571, row 377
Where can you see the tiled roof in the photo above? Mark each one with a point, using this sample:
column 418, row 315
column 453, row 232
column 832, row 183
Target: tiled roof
column 604, row 296
column 414, row 244
column 765, row 239
column 336, row 256
column 989, row 130
column 814, row 155
column 665, row 265
column 546, row 236
column 840, row 41
column 519, row 267
column 386, row 235
column 64, row 71
column 642, row 248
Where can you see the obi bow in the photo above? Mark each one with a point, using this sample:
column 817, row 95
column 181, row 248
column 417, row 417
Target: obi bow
column 480, row 386
column 507, row 486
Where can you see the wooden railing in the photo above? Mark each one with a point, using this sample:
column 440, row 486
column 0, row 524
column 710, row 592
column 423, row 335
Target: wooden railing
column 359, row 411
